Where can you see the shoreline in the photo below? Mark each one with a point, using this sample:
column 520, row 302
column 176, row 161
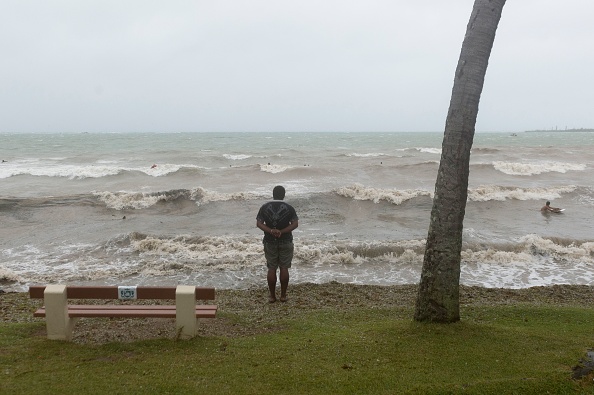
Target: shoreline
column 258, row 316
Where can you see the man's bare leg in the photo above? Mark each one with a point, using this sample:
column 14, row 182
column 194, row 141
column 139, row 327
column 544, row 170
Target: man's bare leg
column 284, row 280
column 272, row 285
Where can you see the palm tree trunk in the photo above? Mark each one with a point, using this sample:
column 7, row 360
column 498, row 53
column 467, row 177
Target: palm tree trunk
column 438, row 298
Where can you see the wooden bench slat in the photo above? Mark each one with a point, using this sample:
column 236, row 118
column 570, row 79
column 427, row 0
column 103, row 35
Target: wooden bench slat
column 135, row 313
column 134, row 307
column 202, row 311
column 111, row 292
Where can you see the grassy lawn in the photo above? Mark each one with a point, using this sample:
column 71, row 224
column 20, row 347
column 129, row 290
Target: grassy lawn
column 511, row 349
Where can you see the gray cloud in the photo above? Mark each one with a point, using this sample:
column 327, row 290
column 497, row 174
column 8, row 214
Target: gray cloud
column 277, row 65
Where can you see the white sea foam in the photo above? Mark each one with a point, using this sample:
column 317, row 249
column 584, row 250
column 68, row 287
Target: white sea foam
column 531, row 249
column 402, row 259
column 141, row 200
column 67, row 171
column 78, row 172
column 395, row 196
column 214, row 252
column 101, row 168
column 429, row 150
column 531, row 261
column 545, row 247
column 268, row 168
column 127, row 200
column 8, row 276
column 486, row 193
column 236, row 157
column 529, row 169
column 60, row 263
column 536, row 262
column 160, row 170
column 214, row 196
column 368, row 155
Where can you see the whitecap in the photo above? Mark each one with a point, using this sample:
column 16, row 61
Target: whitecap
column 207, row 196
column 529, row 169
column 268, row 168
column 369, row 155
column 429, row 150
column 395, row 196
column 236, row 157
column 129, row 200
column 486, row 193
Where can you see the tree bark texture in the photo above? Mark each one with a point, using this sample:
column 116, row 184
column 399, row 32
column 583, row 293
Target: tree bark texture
column 438, row 297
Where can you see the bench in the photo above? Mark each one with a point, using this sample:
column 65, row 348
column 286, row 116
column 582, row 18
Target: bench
column 60, row 317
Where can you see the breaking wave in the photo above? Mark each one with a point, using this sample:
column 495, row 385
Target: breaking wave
column 143, row 200
column 395, row 196
column 486, row 193
column 529, row 169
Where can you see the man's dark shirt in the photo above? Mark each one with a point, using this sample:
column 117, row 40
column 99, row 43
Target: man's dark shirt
column 277, row 215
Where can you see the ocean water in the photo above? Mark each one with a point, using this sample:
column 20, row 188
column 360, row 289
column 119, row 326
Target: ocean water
column 134, row 208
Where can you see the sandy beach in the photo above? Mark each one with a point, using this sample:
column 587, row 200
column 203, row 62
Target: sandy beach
column 259, row 316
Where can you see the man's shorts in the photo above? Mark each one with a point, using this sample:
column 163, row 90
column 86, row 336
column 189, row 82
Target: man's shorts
column 278, row 254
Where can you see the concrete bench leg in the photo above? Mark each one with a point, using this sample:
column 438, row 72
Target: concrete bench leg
column 59, row 325
column 185, row 311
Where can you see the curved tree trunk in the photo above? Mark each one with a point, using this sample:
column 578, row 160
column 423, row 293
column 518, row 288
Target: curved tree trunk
column 438, row 298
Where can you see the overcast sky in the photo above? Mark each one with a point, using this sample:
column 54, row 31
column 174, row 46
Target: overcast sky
column 274, row 65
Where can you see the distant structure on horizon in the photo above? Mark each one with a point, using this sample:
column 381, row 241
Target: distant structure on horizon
column 562, row 130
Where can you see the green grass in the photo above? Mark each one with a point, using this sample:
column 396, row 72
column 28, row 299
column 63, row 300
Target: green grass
column 493, row 350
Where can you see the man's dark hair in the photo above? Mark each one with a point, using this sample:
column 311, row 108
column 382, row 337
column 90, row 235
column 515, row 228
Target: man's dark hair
column 278, row 193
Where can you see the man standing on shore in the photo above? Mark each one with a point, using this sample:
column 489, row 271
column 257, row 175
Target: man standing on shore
column 277, row 220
